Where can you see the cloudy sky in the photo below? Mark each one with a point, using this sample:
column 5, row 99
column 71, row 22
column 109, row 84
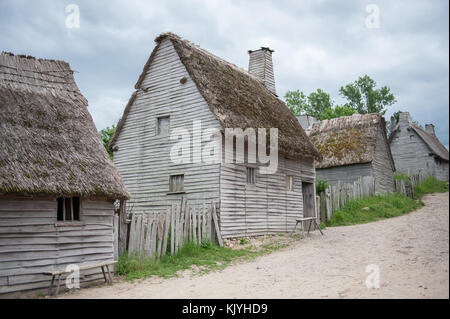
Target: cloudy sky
column 318, row 44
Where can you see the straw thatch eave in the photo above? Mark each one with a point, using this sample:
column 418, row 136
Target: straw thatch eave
column 49, row 145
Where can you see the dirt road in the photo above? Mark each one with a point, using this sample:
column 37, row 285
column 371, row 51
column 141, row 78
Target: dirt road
column 411, row 252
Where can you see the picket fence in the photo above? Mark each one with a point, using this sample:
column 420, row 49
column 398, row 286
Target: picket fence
column 153, row 234
column 337, row 195
column 406, row 186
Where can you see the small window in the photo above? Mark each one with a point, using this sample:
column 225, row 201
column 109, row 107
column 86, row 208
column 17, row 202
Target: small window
column 251, row 175
column 289, row 182
column 176, row 183
column 68, row 208
column 163, row 125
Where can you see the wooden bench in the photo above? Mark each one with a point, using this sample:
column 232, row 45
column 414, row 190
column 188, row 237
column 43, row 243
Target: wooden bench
column 312, row 220
column 59, row 273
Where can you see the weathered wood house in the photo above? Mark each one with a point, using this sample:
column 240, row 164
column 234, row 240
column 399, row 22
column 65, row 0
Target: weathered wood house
column 352, row 147
column 182, row 83
column 57, row 183
column 416, row 150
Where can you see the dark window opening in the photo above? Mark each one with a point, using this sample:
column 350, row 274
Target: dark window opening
column 68, row 208
column 176, row 183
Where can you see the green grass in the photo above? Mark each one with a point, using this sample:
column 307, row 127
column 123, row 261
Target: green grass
column 371, row 209
column 402, row 177
column 206, row 257
column 430, row 185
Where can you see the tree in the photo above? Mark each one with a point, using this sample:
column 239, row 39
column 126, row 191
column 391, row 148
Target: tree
column 106, row 135
column 364, row 98
column 296, row 101
column 318, row 104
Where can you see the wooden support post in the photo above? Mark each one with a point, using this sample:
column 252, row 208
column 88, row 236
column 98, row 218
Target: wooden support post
column 216, row 224
column 123, row 228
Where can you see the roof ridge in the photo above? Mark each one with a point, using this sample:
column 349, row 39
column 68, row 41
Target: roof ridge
column 174, row 36
column 30, row 57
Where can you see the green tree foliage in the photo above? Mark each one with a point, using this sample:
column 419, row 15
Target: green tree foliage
column 365, row 98
column 321, row 185
column 318, row 104
column 106, row 135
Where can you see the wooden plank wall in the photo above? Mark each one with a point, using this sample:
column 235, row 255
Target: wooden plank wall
column 31, row 243
column 143, row 158
column 344, row 174
column 383, row 170
column 266, row 207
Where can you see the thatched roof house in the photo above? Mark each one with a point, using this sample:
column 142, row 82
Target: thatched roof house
column 181, row 83
column 354, row 146
column 52, row 166
column 417, row 150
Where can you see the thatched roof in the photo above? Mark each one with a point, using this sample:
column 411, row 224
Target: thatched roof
column 348, row 139
column 49, row 144
column 430, row 140
column 235, row 97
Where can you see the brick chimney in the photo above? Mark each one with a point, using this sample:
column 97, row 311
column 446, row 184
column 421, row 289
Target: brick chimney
column 429, row 128
column 260, row 65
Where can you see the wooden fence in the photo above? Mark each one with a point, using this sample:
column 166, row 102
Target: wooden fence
column 153, row 234
column 337, row 195
column 406, row 186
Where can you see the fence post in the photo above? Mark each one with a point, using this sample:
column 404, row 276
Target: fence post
column 123, row 228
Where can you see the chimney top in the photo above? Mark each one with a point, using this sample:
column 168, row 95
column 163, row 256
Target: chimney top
column 260, row 65
column 429, row 128
column 404, row 118
column 262, row 49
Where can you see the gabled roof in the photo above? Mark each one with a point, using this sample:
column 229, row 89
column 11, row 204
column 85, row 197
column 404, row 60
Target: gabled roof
column 432, row 142
column 236, row 98
column 348, row 139
column 49, row 144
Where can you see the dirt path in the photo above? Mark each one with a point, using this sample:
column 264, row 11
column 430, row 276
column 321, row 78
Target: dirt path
column 411, row 251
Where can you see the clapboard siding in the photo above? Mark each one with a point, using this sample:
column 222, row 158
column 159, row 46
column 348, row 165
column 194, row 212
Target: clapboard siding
column 411, row 155
column 143, row 157
column 345, row 174
column 266, row 207
column 383, row 167
column 31, row 242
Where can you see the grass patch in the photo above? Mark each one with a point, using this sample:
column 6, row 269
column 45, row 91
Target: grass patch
column 401, row 177
column 201, row 259
column 430, row 185
column 371, row 209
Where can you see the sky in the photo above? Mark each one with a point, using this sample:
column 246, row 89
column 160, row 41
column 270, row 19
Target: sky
column 318, row 44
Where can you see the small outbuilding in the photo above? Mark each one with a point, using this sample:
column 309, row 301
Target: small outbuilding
column 417, row 150
column 57, row 183
column 353, row 147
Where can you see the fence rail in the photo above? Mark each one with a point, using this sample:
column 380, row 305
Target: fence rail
column 337, row 195
column 153, row 234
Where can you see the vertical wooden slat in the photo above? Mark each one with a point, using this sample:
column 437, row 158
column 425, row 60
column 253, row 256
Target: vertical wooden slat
column 123, row 228
column 116, row 237
column 216, row 224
